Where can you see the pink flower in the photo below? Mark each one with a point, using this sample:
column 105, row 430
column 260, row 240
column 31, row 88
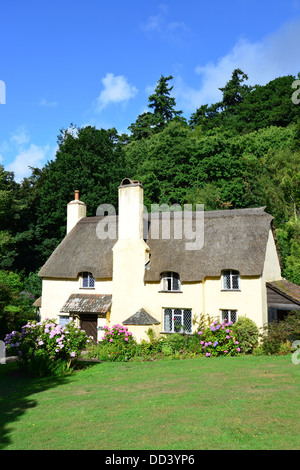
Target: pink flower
column 207, row 354
column 111, row 340
column 126, row 339
column 238, row 349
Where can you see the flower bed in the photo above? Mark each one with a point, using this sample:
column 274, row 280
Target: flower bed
column 44, row 347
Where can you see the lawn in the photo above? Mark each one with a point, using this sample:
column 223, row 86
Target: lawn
column 244, row 402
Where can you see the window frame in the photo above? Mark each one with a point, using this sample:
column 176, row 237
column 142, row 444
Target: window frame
column 173, row 314
column 90, row 280
column 170, row 277
column 232, row 273
column 229, row 315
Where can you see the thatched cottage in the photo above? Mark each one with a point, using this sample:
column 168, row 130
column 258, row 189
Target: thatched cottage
column 143, row 270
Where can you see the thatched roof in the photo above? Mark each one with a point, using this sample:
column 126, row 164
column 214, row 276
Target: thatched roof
column 38, row 302
column 87, row 303
column 233, row 239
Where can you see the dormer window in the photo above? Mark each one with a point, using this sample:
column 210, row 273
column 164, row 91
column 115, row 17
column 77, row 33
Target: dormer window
column 231, row 280
column 87, row 281
column 170, row 282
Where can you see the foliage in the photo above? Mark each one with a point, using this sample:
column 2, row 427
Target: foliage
column 277, row 336
column 218, row 339
column 242, row 151
column 17, row 295
column 117, row 344
column 247, row 333
column 46, row 347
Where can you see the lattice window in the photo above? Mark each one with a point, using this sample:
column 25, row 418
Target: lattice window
column 231, row 280
column 177, row 320
column 170, row 281
column 229, row 315
column 64, row 320
column 88, row 280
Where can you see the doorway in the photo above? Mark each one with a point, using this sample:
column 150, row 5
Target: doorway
column 88, row 323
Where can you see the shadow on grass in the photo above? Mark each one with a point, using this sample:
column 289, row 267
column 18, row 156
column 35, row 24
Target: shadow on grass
column 16, row 396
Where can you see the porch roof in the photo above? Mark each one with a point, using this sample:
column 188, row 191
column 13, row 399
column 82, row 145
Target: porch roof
column 87, row 303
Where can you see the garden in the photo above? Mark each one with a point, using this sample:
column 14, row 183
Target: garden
column 229, row 392
column 46, row 348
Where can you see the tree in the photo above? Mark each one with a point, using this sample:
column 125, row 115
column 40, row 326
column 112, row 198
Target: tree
column 163, row 105
column 235, row 91
column 87, row 159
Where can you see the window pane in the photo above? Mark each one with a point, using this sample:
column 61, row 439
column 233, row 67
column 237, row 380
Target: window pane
column 64, row 320
column 168, row 319
column 187, row 320
column 226, row 280
column 235, row 281
column 91, row 280
column 233, row 316
column 85, row 280
column 225, row 315
column 176, row 283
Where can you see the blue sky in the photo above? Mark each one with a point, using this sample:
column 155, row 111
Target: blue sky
column 96, row 63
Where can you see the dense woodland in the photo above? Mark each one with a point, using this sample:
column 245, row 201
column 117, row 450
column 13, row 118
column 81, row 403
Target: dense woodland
column 243, row 151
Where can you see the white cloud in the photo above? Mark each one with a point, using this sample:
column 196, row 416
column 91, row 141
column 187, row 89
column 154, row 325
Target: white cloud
column 159, row 24
column 274, row 56
column 49, row 104
column 20, row 136
column 33, row 156
column 116, row 90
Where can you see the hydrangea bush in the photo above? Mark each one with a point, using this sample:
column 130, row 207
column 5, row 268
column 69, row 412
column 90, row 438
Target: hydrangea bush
column 45, row 342
column 218, row 339
column 117, row 343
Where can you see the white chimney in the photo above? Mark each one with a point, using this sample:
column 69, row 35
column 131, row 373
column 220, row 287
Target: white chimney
column 131, row 194
column 130, row 253
column 75, row 210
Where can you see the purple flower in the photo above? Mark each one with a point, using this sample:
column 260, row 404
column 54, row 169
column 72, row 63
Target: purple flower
column 41, row 343
column 215, row 344
column 72, row 354
column 212, row 328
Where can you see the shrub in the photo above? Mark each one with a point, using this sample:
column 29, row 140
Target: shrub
column 46, row 348
column 117, row 344
column 247, row 334
column 275, row 334
column 218, row 339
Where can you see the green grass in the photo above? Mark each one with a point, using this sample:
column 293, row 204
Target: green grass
column 242, row 402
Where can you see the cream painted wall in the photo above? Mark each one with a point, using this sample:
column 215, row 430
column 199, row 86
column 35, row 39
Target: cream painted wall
column 271, row 272
column 247, row 300
column 57, row 291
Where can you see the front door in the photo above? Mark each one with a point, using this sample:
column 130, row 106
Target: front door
column 88, row 323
